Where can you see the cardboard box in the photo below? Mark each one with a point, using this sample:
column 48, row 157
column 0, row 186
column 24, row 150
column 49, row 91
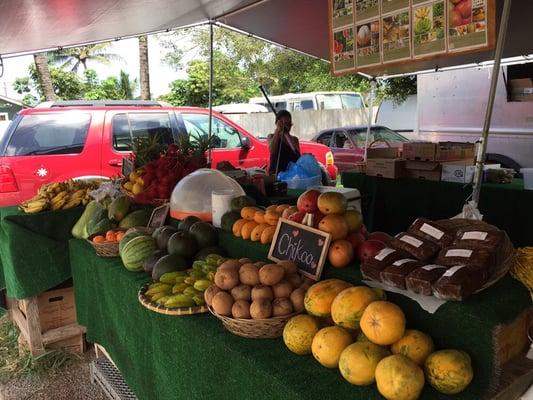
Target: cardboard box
column 423, row 151
column 427, row 170
column 456, row 171
column 56, row 308
column 385, row 167
column 521, row 89
column 385, row 152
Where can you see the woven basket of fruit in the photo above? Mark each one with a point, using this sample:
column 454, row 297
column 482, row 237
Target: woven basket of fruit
column 255, row 328
column 152, row 305
column 106, row 244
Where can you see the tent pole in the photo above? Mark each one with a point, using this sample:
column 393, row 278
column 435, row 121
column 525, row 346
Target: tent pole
column 370, row 113
column 211, row 24
column 480, row 160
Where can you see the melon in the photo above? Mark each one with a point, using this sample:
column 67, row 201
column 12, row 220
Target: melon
column 348, row 306
column 414, row 344
column 136, row 218
column 136, row 251
column 359, row 360
column 399, row 378
column 329, row 343
column 299, row 332
column 320, row 296
column 449, row 371
column 129, row 235
column 383, row 323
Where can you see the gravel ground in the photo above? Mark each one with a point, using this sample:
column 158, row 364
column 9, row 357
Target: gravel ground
column 71, row 383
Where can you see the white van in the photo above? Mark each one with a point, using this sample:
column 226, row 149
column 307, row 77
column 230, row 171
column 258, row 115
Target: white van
column 400, row 117
column 313, row 101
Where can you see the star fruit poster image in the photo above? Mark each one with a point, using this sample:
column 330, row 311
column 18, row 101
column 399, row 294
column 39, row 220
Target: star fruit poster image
column 467, row 24
column 343, row 50
column 429, row 27
column 396, row 37
column 341, row 13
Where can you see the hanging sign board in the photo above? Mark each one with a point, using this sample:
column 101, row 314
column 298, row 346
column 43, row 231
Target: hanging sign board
column 305, row 246
column 159, row 216
column 377, row 35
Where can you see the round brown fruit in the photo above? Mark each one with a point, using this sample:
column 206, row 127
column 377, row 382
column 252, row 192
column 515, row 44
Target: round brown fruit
column 271, row 274
column 282, row 289
column 295, row 280
column 280, row 307
column 242, row 292
column 222, row 303
column 262, row 292
column 245, row 261
column 289, row 266
column 259, row 264
column 241, row 309
column 226, row 279
column 297, row 299
column 261, row 309
column 229, row 264
column 210, row 293
column 249, row 274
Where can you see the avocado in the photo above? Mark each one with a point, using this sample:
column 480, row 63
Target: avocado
column 162, row 236
column 183, row 244
column 149, row 263
column 228, row 219
column 186, row 224
column 238, row 203
column 205, row 234
column 202, row 254
column 168, row 263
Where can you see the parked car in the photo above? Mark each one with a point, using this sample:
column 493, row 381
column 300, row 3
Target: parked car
column 348, row 143
column 79, row 139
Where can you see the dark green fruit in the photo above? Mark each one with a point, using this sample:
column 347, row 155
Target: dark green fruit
column 205, row 234
column 183, row 244
column 186, row 224
column 149, row 263
column 228, row 219
column 169, row 263
column 202, row 254
column 162, row 236
column 238, row 203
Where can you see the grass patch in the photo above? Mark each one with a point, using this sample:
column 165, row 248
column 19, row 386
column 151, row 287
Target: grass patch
column 14, row 364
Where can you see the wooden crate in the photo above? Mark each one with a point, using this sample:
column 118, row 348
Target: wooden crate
column 46, row 319
column 75, row 344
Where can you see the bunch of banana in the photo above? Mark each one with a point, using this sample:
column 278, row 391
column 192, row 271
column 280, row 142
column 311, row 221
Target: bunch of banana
column 60, row 196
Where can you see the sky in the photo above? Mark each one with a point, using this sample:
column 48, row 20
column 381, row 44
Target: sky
column 160, row 73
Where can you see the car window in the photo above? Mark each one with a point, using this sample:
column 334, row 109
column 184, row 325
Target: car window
column 389, row 135
column 351, row 101
column 57, row 133
column 341, row 141
column 325, row 138
column 329, row 101
column 376, row 133
column 197, row 125
column 307, row 105
column 128, row 126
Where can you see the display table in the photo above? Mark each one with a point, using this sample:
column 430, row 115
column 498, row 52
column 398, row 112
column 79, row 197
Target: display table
column 34, row 250
column 391, row 205
column 193, row 357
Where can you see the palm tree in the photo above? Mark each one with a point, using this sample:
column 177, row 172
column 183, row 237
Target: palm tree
column 126, row 87
column 75, row 56
column 41, row 64
column 144, row 69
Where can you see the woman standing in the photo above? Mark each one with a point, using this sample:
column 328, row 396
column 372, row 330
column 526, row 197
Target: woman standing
column 284, row 148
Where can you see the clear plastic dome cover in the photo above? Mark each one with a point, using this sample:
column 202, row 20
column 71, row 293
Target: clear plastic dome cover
column 192, row 195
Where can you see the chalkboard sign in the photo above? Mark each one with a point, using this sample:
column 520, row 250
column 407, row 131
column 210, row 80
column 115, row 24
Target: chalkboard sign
column 305, row 246
column 159, row 216
column 127, row 167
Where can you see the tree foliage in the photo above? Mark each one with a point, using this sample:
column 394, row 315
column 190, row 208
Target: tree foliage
column 76, row 56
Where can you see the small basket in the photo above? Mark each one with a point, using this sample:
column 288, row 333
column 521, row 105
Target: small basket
column 106, row 249
column 160, row 309
column 255, row 328
column 154, row 202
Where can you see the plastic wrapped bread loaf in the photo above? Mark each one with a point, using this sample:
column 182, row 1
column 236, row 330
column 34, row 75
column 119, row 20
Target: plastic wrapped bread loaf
column 394, row 275
column 421, row 280
column 420, row 248
column 456, row 283
column 475, row 238
column 432, row 231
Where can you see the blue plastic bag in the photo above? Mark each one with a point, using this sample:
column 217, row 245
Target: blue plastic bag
column 309, row 163
column 302, row 174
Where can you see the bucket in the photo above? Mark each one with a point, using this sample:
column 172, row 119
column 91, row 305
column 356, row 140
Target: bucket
column 528, row 178
column 221, row 204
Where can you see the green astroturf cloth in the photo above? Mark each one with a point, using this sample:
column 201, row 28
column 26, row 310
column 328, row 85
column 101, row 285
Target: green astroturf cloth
column 34, row 249
column 391, row 205
column 193, row 357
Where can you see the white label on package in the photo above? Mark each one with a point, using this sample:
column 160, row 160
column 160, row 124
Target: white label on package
column 474, row 235
column 431, row 231
column 459, row 253
column 432, row 267
column 453, row 270
column 412, row 241
column 402, row 262
column 383, row 253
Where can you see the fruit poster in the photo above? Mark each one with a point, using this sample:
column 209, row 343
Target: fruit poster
column 388, row 6
column 366, row 9
column 368, row 44
column 396, row 37
column 467, row 24
column 429, row 29
column 343, row 49
column 342, row 13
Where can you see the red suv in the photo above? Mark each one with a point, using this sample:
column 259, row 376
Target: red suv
column 78, row 139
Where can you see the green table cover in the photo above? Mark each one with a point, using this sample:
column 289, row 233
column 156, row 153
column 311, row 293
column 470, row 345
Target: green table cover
column 34, row 249
column 391, row 205
column 193, row 357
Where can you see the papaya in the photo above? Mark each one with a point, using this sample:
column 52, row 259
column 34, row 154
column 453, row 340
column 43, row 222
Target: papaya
column 79, row 230
column 449, row 371
column 348, row 306
column 118, row 208
column 383, row 322
column 299, row 332
column 414, row 344
column 329, row 343
column 136, row 218
column 399, row 378
column 320, row 296
column 359, row 360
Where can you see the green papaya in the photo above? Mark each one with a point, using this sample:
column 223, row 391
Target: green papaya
column 79, row 230
column 118, row 208
column 136, row 218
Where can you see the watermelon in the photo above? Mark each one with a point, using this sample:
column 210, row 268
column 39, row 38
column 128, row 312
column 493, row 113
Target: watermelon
column 130, row 234
column 136, row 251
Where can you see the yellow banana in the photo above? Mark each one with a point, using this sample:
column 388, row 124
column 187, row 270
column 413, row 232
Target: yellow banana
column 59, row 197
column 73, row 202
column 59, row 204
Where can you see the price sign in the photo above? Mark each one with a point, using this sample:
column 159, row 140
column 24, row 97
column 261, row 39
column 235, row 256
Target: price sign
column 159, row 216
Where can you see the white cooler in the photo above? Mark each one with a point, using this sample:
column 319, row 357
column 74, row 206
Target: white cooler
column 352, row 195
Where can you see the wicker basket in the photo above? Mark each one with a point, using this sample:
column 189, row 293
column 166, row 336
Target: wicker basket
column 160, row 309
column 106, row 249
column 255, row 328
column 154, row 202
